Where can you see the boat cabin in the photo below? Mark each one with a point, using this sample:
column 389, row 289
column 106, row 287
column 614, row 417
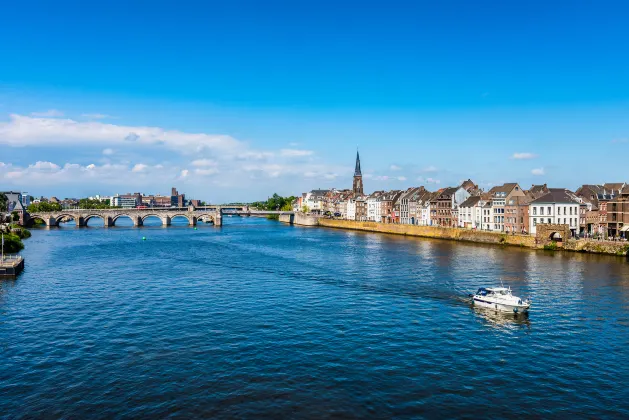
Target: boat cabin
column 493, row 291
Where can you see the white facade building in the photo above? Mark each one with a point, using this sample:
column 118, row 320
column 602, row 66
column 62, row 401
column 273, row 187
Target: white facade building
column 557, row 207
column 351, row 209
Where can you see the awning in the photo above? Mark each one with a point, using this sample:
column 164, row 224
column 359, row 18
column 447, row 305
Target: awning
column 625, row 228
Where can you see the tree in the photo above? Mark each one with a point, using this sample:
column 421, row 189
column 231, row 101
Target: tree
column 86, row 203
column 3, row 202
column 12, row 244
column 15, row 216
column 44, row 206
column 305, row 209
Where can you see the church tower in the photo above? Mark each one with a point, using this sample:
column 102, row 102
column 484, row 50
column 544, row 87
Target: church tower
column 358, row 178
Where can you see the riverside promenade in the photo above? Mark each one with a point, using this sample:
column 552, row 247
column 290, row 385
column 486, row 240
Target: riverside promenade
column 545, row 237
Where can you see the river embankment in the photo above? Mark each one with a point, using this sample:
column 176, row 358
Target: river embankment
column 468, row 235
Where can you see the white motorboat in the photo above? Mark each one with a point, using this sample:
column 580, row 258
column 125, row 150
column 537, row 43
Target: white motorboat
column 500, row 299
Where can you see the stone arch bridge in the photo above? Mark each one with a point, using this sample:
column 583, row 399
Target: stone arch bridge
column 194, row 215
column 137, row 216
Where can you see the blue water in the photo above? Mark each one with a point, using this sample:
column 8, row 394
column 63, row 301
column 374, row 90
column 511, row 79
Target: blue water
column 262, row 320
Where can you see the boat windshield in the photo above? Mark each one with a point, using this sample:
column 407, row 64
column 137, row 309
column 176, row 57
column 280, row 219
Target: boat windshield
column 482, row 291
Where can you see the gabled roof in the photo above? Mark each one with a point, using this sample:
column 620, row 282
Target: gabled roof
column 613, row 187
column 471, row 202
column 468, row 185
column 519, row 200
column 448, row 191
column 556, row 195
column 538, row 189
column 505, row 188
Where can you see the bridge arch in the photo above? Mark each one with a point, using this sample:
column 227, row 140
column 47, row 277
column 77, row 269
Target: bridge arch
column 33, row 217
column 137, row 221
column 92, row 216
column 549, row 233
column 207, row 218
column 60, row 218
column 190, row 222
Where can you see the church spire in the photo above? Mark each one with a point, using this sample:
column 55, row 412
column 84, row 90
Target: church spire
column 357, row 188
column 357, row 170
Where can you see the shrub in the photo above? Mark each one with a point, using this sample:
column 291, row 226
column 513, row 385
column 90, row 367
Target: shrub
column 551, row 246
column 20, row 232
column 12, row 244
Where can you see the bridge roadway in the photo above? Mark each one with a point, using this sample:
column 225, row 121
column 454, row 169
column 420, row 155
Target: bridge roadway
column 212, row 214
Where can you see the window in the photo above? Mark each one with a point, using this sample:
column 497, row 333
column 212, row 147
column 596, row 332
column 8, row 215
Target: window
column 549, row 221
column 550, row 211
column 534, row 211
column 541, row 211
column 564, row 211
column 570, row 211
column 534, row 221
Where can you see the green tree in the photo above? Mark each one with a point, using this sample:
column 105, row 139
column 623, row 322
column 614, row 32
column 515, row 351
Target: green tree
column 86, row 203
column 12, row 244
column 3, row 202
column 15, row 216
column 44, row 206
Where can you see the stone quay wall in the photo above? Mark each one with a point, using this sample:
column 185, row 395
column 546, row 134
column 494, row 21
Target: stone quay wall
column 433, row 232
column 299, row 219
column 467, row 235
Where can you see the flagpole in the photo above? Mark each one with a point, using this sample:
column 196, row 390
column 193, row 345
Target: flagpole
column 2, row 247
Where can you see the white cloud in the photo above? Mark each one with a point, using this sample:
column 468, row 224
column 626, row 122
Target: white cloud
column 204, row 162
column 430, row 169
column 28, row 131
column 45, row 166
column 538, row 171
column 295, row 152
column 96, row 116
column 618, row 141
column 140, row 167
column 50, row 113
column 524, row 155
column 206, row 171
column 395, row 168
column 381, row 178
column 235, row 165
column 429, row 180
column 401, row 178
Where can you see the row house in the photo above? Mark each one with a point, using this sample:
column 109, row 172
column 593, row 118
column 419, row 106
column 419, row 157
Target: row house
column 447, row 206
column 408, row 205
column 558, row 206
column 596, row 199
column 388, row 201
column 470, row 212
column 423, row 210
column 618, row 214
column 517, row 214
column 500, row 195
column 373, row 206
column 315, row 201
column 356, row 208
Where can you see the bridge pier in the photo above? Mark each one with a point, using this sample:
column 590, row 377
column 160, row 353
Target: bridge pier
column 137, row 221
column 79, row 221
column 166, row 221
column 107, row 221
column 192, row 220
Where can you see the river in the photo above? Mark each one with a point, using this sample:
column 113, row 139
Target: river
column 257, row 319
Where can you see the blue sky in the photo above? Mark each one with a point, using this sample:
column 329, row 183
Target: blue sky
column 237, row 100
